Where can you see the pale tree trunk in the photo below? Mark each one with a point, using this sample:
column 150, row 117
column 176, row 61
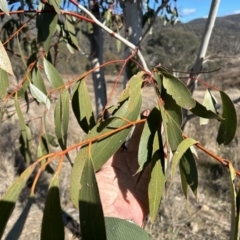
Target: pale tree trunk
column 132, row 10
column 96, row 59
column 197, row 67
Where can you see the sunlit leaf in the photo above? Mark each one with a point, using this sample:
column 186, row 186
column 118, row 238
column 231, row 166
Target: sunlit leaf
column 234, row 208
column 90, row 207
column 119, row 229
column 128, row 108
column 53, row 75
column 209, row 103
column 157, row 181
column 55, row 4
column 5, row 63
column 40, row 96
column 38, row 80
column 61, row 118
column 82, row 107
column 228, row 126
column 4, row 6
column 52, row 222
column 4, row 83
column 8, row 201
column 178, row 91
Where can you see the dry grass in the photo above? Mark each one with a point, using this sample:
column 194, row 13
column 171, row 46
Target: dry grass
column 208, row 216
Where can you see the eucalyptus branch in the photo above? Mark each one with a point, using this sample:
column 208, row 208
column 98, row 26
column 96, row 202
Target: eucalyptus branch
column 112, row 33
column 162, row 6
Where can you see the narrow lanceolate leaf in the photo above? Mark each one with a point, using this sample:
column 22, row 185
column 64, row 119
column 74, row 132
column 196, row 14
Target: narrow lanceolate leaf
column 38, row 80
column 82, row 107
column 71, row 31
column 25, row 141
column 146, row 141
column 52, row 222
column 21, row 52
column 119, row 229
column 109, row 138
column 8, row 201
column 53, row 75
column 4, row 6
column 46, row 25
column 5, row 63
column 204, row 113
column 4, row 83
column 188, row 172
column 178, row 91
column 55, row 4
column 61, row 118
column 182, row 148
column 25, row 133
column 228, row 126
column 209, row 103
column 234, row 208
column 157, row 181
column 90, row 207
column 39, row 96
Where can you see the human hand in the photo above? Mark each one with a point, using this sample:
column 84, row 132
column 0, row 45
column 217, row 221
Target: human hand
column 123, row 194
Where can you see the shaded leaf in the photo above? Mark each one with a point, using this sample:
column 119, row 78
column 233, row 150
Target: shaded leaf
column 52, row 222
column 90, row 207
column 8, row 201
column 82, row 107
column 119, row 229
column 146, row 141
column 61, row 118
column 46, row 25
column 53, row 75
column 21, row 52
column 55, row 4
column 71, row 31
column 178, row 91
column 40, row 96
column 228, row 126
column 4, row 83
column 38, row 80
column 157, row 181
column 5, row 63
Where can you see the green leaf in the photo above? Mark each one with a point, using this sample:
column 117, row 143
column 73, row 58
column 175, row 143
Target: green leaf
column 157, row 181
column 22, row 91
column 119, row 229
column 61, row 118
column 209, row 102
column 146, row 141
column 204, row 113
column 234, row 208
column 188, row 172
column 40, row 96
column 82, row 107
column 8, row 201
column 53, row 75
column 182, row 148
column 90, row 207
column 25, row 141
column 128, row 108
column 38, row 80
column 52, row 222
column 18, row 226
column 46, row 25
column 21, row 52
column 178, row 91
column 228, row 126
column 4, row 83
column 71, row 31
column 4, row 6
column 55, row 4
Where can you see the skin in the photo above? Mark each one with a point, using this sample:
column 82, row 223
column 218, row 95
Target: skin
column 123, row 194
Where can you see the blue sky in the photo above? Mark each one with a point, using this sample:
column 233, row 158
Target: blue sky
column 192, row 9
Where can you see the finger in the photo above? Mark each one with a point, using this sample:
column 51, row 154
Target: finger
column 136, row 136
